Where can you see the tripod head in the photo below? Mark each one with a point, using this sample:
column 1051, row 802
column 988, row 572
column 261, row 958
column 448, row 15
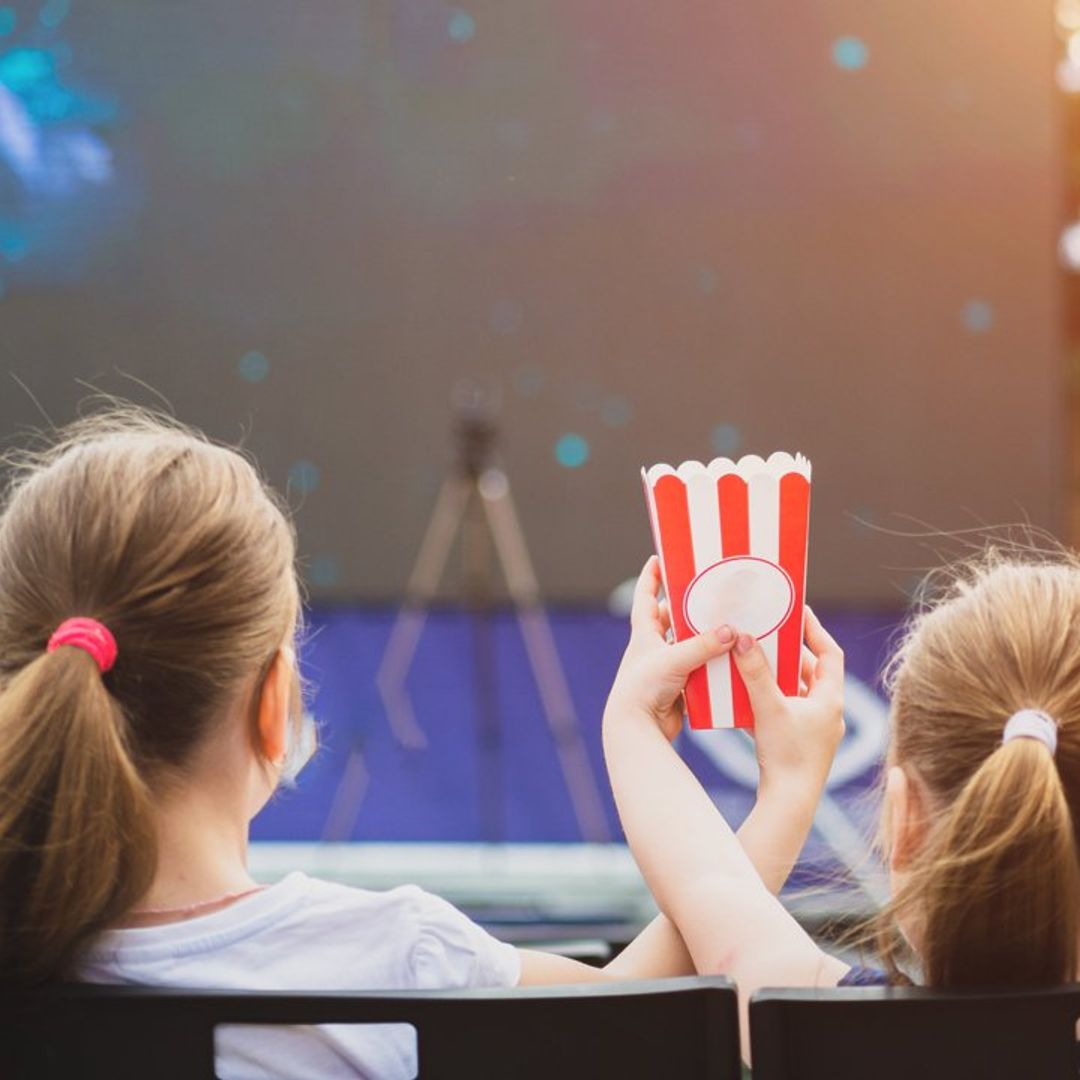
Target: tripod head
column 476, row 428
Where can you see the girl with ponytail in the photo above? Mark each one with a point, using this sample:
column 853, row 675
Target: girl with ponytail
column 149, row 704
column 981, row 792
column 147, row 592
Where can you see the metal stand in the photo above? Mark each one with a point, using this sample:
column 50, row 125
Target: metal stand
column 475, row 504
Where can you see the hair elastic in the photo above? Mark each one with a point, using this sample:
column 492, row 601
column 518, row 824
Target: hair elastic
column 89, row 635
column 1032, row 724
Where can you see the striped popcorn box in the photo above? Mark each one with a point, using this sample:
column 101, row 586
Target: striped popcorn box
column 731, row 537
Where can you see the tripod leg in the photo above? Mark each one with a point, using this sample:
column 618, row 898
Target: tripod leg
column 399, row 652
column 543, row 656
column 477, row 566
column 438, row 540
column 345, row 808
column 489, row 739
column 409, row 624
column 390, row 678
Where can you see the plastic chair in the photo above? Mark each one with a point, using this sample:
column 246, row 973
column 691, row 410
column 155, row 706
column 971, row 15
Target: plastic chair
column 914, row 1034
column 683, row 1028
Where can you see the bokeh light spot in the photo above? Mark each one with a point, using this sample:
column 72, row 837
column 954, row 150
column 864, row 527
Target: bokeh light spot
column 24, row 69
column 1068, row 76
column 1067, row 13
column 978, row 316
column 616, row 411
column 529, row 381
column 726, row 439
column 13, row 244
column 506, row 316
column 253, row 367
column 1069, row 246
column 304, row 476
column 850, row 53
column 324, row 571
column 572, row 450
column 8, row 20
column 461, row 27
column 53, row 13
column 707, row 280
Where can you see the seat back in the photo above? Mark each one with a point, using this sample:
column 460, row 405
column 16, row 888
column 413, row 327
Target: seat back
column 914, row 1034
column 670, row 1027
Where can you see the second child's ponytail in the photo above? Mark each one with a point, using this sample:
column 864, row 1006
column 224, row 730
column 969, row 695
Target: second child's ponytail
column 996, row 889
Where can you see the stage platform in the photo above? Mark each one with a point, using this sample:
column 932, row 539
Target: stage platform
column 532, row 893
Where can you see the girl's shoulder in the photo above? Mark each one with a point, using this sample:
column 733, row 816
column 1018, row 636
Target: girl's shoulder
column 329, row 899
column 408, row 912
column 437, row 945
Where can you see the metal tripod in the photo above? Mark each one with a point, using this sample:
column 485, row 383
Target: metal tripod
column 475, row 504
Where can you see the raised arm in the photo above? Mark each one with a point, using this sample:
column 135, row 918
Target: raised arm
column 795, row 743
column 699, row 873
column 795, row 748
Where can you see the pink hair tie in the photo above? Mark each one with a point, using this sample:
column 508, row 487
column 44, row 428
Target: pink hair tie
column 89, row 635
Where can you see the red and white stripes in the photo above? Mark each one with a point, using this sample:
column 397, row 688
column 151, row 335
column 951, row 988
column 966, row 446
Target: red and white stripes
column 704, row 515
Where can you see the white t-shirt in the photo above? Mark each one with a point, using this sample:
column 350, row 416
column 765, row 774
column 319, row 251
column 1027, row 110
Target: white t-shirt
column 305, row 934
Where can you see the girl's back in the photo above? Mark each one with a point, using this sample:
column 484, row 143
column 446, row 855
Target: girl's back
column 306, row 934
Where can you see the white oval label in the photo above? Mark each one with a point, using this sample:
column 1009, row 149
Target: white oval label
column 753, row 595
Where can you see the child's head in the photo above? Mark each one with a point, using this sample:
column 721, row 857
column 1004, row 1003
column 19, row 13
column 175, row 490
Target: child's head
column 980, row 833
column 177, row 547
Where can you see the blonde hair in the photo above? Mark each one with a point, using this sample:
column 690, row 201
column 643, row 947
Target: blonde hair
column 177, row 546
column 994, row 887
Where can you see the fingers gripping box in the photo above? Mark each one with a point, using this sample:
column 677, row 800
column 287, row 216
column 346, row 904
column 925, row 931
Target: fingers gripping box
column 732, row 540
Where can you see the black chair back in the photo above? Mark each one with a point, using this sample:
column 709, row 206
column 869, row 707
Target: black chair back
column 914, row 1034
column 670, row 1027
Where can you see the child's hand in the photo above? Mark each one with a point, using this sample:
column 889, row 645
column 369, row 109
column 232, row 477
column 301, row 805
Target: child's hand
column 653, row 671
column 796, row 737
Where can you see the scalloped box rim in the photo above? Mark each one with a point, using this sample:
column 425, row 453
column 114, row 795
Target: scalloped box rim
column 778, row 464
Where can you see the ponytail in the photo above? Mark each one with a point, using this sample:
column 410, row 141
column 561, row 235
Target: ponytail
column 995, row 891
column 77, row 844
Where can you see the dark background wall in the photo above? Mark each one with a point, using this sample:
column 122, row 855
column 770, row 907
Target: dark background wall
column 666, row 230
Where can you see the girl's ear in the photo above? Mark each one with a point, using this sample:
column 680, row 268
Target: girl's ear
column 273, row 712
column 907, row 822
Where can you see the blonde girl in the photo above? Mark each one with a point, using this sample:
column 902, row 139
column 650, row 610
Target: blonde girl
column 982, row 791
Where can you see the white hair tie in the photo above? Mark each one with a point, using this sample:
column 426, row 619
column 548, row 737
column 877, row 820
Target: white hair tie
column 1032, row 724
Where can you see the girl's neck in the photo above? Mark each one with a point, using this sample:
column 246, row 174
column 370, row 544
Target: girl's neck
column 202, row 857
